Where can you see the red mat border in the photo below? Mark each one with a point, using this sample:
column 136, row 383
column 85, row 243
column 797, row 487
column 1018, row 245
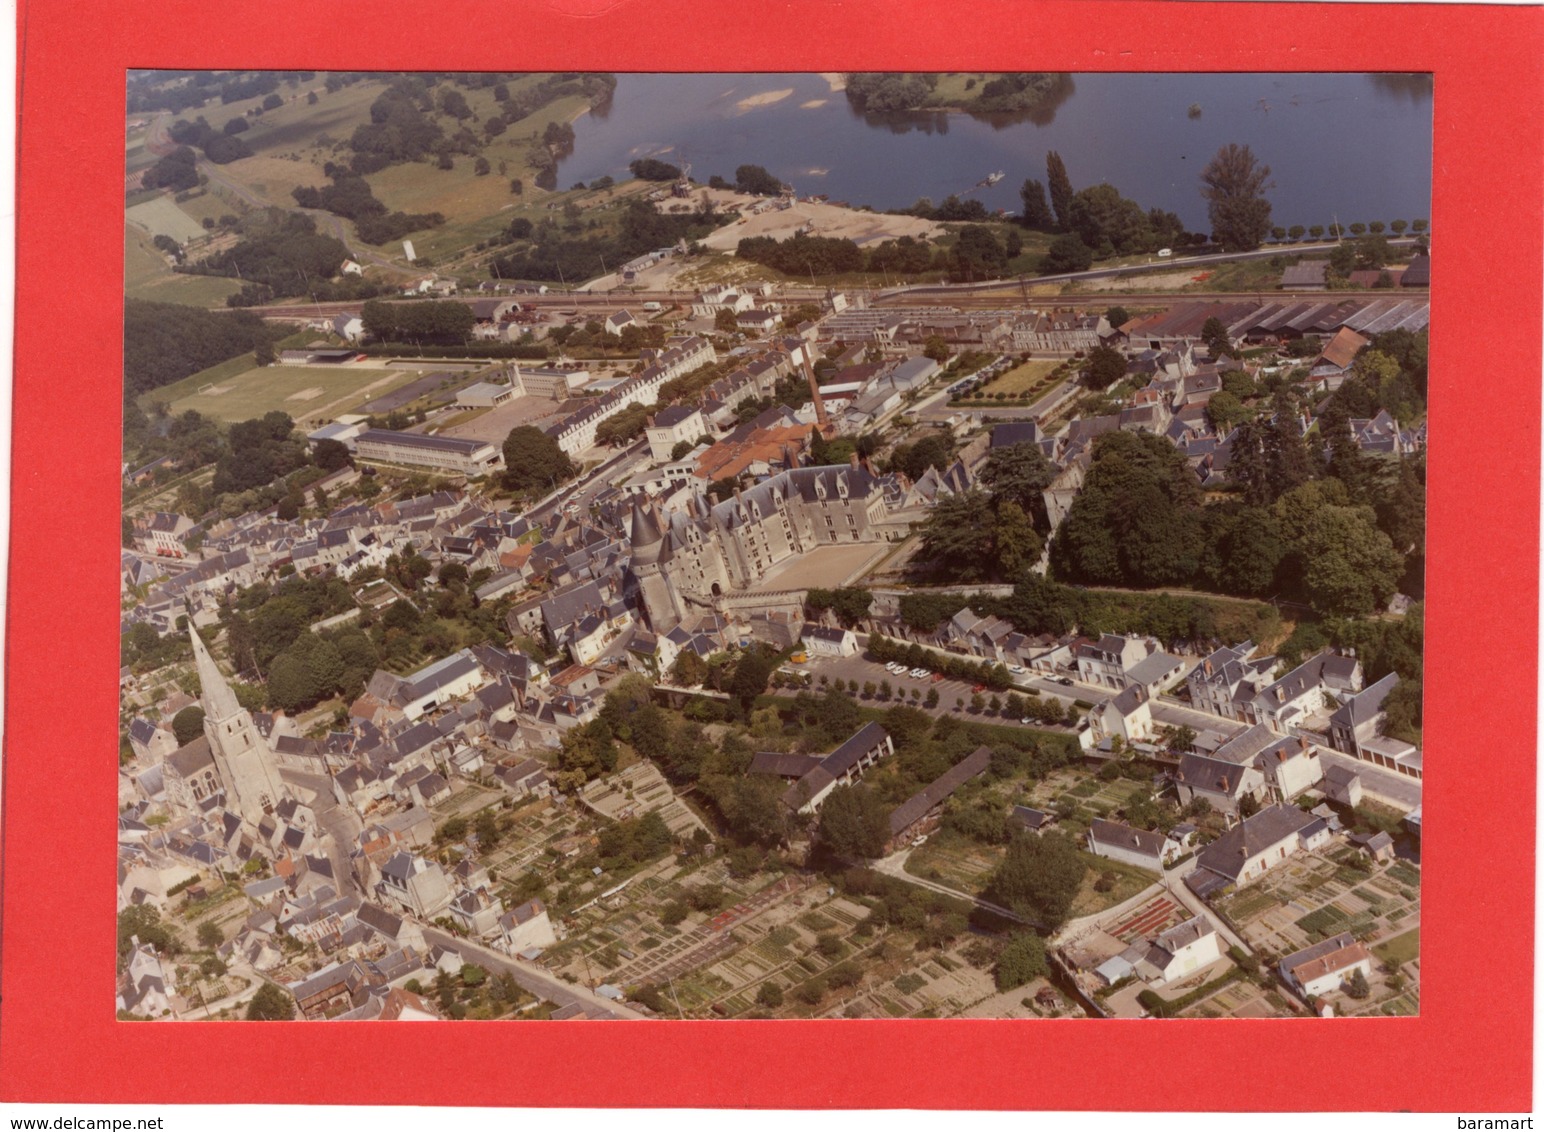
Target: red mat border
column 1471, row 1047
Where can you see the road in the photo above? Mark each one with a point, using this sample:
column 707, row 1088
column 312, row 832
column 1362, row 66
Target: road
column 586, row 488
column 340, row 823
column 935, row 290
column 538, row 982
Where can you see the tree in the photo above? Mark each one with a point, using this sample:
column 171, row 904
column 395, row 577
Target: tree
column 1036, row 212
column 936, row 348
column 1039, row 878
column 1117, row 316
column 1017, row 546
column 1104, row 367
column 1019, row 474
column 331, row 455
column 1356, row 985
column 1234, row 185
column 143, row 922
column 750, row 678
column 854, row 822
column 209, row 935
column 1351, row 567
column 188, row 725
column 1060, row 188
column 725, row 322
column 1066, row 254
column 271, row 1003
column 770, row 995
column 533, row 460
column 1021, row 961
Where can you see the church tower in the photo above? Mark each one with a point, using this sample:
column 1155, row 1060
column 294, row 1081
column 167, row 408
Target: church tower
column 241, row 755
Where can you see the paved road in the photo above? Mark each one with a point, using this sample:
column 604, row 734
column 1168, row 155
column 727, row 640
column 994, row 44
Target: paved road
column 1182, row 263
column 1387, row 786
column 533, row 979
column 340, row 823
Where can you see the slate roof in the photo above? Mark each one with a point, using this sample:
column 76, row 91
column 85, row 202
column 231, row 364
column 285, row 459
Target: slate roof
column 915, row 808
column 1119, row 835
column 1252, row 836
column 783, row 765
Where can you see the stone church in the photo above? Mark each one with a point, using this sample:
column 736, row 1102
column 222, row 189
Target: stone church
column 231, row 758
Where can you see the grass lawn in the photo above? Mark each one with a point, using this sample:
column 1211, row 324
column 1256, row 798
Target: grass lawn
column 958, row 861
column 1025, row 378
column 250, row 391
column 1401, row 949
column 160, row 216
column 1129, row 880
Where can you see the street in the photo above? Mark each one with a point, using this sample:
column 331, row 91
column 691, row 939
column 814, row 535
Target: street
column 538, row 982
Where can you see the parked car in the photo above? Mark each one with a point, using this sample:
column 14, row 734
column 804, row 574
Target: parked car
column 938, row 677
column 979, row 688
column 919, row 673
column 1016, row 669
column 1064, row 682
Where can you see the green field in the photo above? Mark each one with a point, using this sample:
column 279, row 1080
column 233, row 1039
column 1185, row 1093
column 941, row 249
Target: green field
column 162, row 217
column 1128, row 881
column 146, row 275
column 1401, row 949
column 1020, row 379
column 250, row 391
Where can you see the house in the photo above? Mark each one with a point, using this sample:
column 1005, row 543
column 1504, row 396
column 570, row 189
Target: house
column 417, row 886
column 1244, row 853
column 919, row 814
column 392, row 929
column 820, row 641
column 1343, row 785
column 671, row 426
column 756, row 320
column 618, row 322
column 1181, row 950
column 335, row 989
column 526, row 927
column 147, row 985
column 1143, row 848
column 1290, row 766
column 1324, row 967
column 841, row 767
column 1106, row 662
column 1361, row 717
column 1379, row 846
column 1223, row 785
column 349, row 327
column 1155, row 672
column 1127, row 717
column 1030, row 820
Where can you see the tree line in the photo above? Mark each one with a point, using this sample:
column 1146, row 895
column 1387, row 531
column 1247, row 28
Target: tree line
column 350, row 196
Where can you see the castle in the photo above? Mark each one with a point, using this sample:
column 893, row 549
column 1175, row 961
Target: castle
column 689, row 557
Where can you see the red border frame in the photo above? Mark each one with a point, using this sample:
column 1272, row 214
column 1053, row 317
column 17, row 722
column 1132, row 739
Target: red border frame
column 1467, row 1050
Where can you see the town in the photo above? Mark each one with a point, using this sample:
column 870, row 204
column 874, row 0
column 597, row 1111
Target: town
column 696, row 638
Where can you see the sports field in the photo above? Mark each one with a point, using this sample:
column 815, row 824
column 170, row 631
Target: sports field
column 311, row 395
column 1020, row 379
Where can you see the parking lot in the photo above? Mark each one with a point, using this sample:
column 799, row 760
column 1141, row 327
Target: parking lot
column 953, row 694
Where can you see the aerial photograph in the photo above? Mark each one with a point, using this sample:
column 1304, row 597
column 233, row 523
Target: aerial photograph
column 772, row 546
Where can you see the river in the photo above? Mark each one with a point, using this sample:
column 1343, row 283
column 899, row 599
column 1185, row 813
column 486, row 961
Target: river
column 1355, row 147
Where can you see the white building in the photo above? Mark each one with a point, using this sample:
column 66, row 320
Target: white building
column 671, row 426
column 443, row 453
column 484, row 395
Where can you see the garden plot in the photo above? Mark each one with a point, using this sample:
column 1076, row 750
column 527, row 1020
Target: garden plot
column 638, row 790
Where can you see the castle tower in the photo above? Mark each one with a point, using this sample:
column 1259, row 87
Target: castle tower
column 651, row 557
column 241, row 755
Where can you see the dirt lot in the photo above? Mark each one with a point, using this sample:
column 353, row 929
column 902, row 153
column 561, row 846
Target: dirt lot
column 825, row 219
column 829, row 566
column 494, row 425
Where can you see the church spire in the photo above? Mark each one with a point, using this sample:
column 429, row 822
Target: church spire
column 219, row 702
